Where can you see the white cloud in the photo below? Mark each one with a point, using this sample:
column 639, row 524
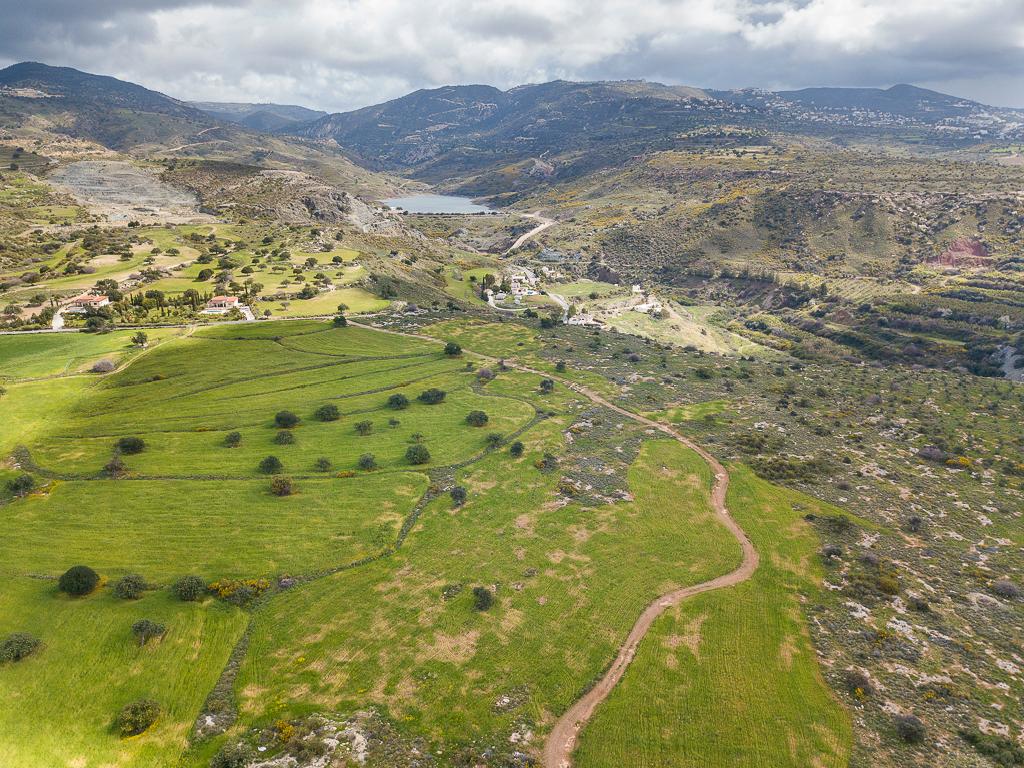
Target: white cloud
column 341, row 54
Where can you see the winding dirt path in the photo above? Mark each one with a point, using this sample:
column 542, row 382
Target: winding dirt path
column 544, row 224
column 561, row 741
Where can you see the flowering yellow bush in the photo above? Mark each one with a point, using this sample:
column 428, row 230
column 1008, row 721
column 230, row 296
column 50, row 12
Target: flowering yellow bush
column 225, row 588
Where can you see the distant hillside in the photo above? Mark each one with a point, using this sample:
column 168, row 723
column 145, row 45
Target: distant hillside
column 485, row 141
column 111, row 112
column 908, row 100
column 269, row 118
column 458, row 130
column 40, row 102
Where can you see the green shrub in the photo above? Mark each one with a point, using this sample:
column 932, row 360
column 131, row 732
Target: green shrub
column 21, row 485
column 146, row 630
column 367, row 462
column 137, row 716
column 328, row 412
column 130, row 586
column 189, row 588
column 432, row 396
column 131, row 445
column 516, row 449
column 270, row 465
column 477, row 418
column 281, row 486
column 340, row 321
column 398, row 402
column 494, row 439
column 286, row 419
column 417, row 454
column 364, row 428
column 78, row 580
column 458, row 494
column 1001, row 750
column 17, row 646
column 323, row 464
column 284, row 437
column 547, row 385
column 483, row 598
column 452, row 349
column 233, row 439
column 237, row 755
column 909, row 728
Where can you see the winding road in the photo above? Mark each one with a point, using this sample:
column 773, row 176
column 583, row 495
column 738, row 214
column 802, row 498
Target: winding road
column 561, row 741
column 544, row 224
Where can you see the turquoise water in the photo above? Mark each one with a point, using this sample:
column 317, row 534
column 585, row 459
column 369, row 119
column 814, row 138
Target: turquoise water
column 435, row 204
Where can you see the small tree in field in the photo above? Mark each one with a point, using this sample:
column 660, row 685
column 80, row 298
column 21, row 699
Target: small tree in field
column 146, row 630
column 398, row 402
column 130, row 586
column 189, row 588
column 78, row 580
column 417, row 454
column 546, row 386
column 286, row 419
column 432, row 396
column 281, row 486
column 367, row 462
column 323, row 464
column 477, row 418
column 340, row 321
column 284, row 437
column 483, row 598
column 328, row 412
column 516, row 449
column 233, row 439
column 17, row 646
column 494, row 439
column 131, row 445
column 452, row 349
column 271, row 465
column 140, row 339
column 364, row 427
column 136, row 717
column 22, row 485
column 458, row 494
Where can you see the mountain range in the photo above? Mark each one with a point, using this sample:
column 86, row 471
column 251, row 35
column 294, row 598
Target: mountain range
column 483, row 140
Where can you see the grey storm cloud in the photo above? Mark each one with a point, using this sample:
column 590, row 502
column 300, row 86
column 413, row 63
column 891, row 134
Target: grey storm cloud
column 342, row 54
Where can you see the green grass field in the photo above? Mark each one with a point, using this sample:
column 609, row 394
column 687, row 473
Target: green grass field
column 736, row 675
column 60, row 704
column 54, row 354
column 382, row 615
column 567, row 591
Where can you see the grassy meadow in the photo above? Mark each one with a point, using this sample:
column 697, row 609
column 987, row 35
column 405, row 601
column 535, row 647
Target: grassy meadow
column 736, row 676
column 387, row 563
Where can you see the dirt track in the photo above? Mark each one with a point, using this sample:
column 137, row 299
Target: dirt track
column 561, row 741
column 544, row 224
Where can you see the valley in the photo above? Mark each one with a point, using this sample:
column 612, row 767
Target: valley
column 445, row 433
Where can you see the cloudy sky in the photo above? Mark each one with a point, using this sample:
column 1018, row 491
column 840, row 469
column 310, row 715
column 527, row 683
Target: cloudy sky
column 343, row 54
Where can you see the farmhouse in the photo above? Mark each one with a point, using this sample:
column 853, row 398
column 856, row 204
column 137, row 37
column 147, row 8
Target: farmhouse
column 85, row 302
column 218, row 305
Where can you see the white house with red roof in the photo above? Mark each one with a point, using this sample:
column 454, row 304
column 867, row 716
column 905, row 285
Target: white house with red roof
column 85, row 302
